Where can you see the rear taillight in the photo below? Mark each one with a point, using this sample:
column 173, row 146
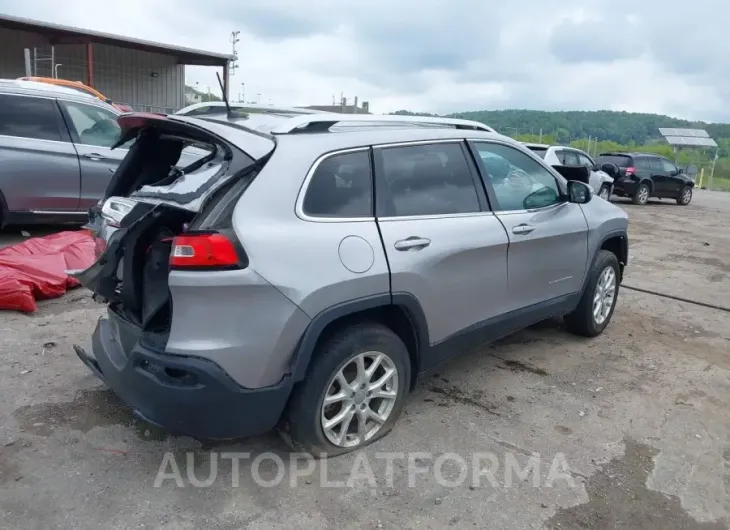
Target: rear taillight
column 630, row 171
column 203, row 251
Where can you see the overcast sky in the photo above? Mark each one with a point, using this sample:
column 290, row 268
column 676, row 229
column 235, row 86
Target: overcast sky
column 444, row 55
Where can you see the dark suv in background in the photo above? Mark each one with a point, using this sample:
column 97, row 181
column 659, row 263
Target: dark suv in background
column 641, row 176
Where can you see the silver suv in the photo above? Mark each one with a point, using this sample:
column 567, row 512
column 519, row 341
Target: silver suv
column 308, row 271
column 55, row 156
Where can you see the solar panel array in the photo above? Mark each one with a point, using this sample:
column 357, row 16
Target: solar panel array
column 687, row 137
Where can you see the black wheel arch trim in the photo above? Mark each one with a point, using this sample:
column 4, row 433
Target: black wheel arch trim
column 406, row 301
column 623, row 257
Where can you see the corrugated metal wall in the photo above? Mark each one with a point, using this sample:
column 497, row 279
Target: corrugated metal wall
column 146, row 81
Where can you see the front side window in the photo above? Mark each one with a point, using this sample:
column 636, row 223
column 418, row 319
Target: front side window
column 519, row 182
column 28, row 117
column 585, row 161
column 669, row 167
column 93, row 125
column 341, row 186
column 432, row 179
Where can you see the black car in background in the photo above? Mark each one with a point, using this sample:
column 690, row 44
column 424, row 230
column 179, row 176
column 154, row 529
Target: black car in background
column 642, row 176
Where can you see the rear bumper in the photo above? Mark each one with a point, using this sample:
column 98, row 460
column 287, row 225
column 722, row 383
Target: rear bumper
column 185, row 395
column 627, row 186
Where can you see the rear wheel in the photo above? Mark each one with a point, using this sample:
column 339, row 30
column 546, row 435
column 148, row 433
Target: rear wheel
column 598, row 301
column 642, row 194
column 685, row 196
column 605, row 192
column 353, row 393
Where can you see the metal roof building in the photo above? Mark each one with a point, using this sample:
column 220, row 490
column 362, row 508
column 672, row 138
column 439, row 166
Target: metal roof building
column 149, row 76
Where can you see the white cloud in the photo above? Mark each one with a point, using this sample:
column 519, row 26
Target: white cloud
column 442, row 55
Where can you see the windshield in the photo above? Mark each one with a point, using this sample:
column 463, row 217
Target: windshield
column 539, row 151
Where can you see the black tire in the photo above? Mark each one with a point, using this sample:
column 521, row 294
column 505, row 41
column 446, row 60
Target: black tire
column 605, row 188
column 581, row 321
column 639, row 196
column 301, row 427
column 685, row 196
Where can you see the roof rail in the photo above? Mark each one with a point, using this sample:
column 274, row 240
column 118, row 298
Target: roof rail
column 322, row 122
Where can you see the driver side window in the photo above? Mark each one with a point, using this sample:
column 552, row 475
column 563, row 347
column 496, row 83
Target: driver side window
column 92, row 125
column 519, row 182
column 669, row 167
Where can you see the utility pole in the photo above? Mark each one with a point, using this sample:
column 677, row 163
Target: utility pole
column 243, row 92
column 234, row 62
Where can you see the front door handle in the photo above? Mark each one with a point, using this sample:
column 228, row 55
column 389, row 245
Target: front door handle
column 94, row 156
column 412, row 243
column 522, row 229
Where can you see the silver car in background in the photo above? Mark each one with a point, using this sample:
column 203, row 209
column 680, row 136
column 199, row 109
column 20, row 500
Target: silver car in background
column 55, row 152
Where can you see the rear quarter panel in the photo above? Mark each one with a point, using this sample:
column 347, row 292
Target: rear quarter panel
column 301, row 258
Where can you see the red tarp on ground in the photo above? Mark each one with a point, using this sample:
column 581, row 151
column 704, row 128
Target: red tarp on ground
column 35, row 269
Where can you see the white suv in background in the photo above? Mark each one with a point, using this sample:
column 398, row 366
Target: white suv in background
column 561, row 155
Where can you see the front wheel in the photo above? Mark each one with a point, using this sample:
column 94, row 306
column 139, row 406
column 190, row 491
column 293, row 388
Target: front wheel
column 353, row 393
column 642, row 195
column 598, row 301
column 685, row 196
column 605, row 192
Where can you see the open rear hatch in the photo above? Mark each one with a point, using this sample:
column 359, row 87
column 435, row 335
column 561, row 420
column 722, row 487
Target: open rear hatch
column 176, row 217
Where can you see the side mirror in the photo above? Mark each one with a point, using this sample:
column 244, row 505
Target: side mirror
column 578, row 192
column 596, row 167
column 541, row 198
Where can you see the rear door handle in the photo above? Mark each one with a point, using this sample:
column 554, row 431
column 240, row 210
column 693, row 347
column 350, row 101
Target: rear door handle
column 522, row 229
column 94, row 156
column 412, row 243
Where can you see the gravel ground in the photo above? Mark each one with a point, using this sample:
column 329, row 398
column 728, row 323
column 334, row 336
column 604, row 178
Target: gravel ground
column 628, row 430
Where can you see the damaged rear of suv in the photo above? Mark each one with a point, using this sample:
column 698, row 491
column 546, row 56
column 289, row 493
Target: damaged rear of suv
column 305, row 271
column 178, row 248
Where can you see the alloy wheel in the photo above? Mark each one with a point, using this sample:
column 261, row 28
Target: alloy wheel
column 359, row 399
column 643, row 194
column 604, row 295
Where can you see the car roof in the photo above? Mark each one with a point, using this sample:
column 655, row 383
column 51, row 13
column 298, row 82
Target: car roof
column 631, row 154
column 362, row 134
column 35, row 88
column 251, row 107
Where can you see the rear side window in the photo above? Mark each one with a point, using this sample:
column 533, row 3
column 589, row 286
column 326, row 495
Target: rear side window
column 642, row 163
column 341, row 186
column 619, row 160
column 570, row 158
column 655, row 164
column 426, row 180
column 28, row 117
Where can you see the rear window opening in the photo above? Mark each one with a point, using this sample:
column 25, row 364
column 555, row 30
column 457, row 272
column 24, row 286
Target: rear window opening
column 619, row 160
column 180, row 219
